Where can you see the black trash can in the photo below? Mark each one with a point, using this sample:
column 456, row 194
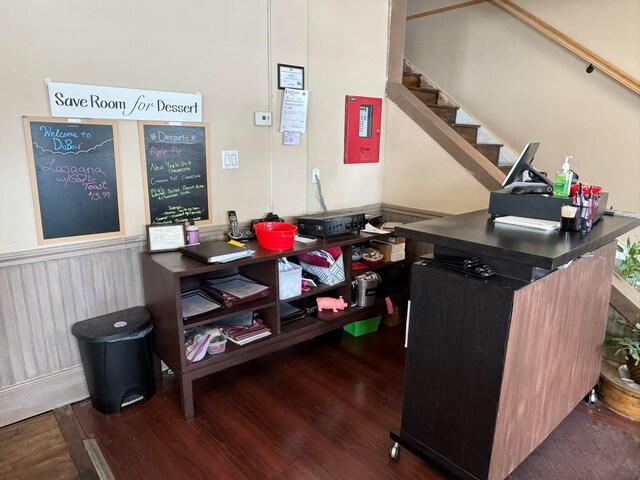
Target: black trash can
column 116, row 354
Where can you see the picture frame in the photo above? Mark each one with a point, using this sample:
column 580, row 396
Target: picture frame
column 165, row 238
column 290, row 76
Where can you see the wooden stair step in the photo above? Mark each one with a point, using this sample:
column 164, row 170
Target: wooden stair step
column 426, row 95
column 410, row 79
column 489, row 150
column 468, row 132
column 445, row 112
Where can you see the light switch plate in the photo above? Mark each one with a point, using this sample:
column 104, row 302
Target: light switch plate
column 230, row 159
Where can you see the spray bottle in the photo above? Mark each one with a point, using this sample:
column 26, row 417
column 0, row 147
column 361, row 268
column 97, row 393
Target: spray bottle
column 562, row 184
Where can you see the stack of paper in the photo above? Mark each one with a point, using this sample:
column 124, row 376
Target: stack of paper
column 234, row 289
column 243, row 334
column 196, row 302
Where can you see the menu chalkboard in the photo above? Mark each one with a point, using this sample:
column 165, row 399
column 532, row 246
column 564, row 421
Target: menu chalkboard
column 175, row 166
column 75, row 178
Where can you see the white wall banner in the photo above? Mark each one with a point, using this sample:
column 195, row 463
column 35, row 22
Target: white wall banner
column 74, row 100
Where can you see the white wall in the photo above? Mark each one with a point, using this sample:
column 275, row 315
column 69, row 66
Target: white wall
column 525, row 87
column 227, row 51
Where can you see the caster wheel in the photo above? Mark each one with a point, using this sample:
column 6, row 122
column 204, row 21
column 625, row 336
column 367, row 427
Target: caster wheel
column 394, row 452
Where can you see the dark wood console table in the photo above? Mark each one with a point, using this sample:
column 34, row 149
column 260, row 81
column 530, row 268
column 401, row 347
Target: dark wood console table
column 166, row 275
column 494, row 365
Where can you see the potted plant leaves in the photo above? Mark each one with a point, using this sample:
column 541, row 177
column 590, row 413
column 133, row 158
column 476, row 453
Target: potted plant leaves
column 628, row 347
column 629, row 267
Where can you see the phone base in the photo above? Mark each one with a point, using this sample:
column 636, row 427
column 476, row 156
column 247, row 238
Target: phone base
column 243, row 237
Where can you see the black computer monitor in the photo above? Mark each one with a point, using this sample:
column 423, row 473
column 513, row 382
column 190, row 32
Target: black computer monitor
column 524, row 165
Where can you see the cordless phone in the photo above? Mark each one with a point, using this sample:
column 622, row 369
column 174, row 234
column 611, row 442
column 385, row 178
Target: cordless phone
column 233, row 222
column 236, row 233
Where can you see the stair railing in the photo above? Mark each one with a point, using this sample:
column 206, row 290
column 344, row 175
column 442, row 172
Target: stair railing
column 573, row 46
column 593, row 59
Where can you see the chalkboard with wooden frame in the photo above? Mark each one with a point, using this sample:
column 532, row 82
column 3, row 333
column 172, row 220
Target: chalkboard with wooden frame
column 75, row 178
column 175, row 166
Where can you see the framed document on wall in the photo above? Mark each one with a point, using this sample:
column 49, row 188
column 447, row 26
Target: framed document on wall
column 290, row 76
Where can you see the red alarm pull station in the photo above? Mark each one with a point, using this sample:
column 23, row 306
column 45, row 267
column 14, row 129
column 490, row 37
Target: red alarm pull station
column 362, row 129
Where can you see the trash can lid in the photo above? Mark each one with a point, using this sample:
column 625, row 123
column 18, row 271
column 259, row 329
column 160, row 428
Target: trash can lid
column 113, row 326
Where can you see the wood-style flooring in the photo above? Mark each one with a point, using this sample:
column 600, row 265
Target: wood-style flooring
column 45, row 447
column 321, row 410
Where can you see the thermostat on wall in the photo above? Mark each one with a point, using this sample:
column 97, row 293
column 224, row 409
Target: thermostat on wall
column 263, row 118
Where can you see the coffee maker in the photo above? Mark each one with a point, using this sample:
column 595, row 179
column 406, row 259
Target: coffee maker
column 365, row 288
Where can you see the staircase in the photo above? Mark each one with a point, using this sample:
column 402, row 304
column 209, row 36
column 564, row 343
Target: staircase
column 432, row 98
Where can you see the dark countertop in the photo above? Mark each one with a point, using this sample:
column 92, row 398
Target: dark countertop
column 476, row 233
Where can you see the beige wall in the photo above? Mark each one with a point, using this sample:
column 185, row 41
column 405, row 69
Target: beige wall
column 353, row 62
column 609, row 29
column 228, row 52
column 524, row 87
column 420, row 174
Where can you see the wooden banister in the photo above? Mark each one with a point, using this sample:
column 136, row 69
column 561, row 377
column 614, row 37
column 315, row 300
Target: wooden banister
column 466, row 155
column 625, row 299
column 584, row 53
column 594, row 59
column 445, row 9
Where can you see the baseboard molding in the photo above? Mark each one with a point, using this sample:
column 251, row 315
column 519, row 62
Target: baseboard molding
column 42, row 394
column 411, row 211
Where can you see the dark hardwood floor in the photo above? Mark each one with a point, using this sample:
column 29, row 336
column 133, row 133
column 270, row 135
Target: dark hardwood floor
column 322, row 410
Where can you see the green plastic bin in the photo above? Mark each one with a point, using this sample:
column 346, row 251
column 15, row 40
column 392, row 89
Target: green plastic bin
column 363, row 326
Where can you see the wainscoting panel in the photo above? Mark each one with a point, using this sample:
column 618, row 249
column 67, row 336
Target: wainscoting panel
column 43, row 292
column 41, row 300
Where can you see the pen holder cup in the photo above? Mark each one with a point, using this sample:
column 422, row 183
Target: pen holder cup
column 584, row 218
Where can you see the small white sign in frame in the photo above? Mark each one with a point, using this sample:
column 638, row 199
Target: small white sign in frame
column 290, row 76
column 165, row 238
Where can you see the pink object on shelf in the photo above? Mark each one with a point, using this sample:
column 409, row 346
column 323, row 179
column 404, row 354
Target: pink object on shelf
column 328, row 303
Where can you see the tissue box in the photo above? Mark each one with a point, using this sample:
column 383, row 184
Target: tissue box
column 290, row 281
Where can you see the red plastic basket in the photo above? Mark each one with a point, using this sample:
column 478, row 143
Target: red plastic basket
column 275, row 235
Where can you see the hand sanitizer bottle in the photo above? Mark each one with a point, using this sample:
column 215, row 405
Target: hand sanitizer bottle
column 562, row 184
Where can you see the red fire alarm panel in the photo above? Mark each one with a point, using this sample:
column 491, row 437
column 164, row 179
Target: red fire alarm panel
column 362, row 129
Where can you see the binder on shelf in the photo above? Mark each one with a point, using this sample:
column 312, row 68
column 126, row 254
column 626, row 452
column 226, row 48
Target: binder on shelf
column 216, row 252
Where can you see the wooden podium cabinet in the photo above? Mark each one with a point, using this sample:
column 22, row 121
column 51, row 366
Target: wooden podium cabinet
column 494, row 365
column 166, row 275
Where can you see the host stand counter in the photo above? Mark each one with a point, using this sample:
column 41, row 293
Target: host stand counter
column 494, row 365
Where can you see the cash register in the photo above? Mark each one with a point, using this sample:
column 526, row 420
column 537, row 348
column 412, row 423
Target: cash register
column 533, row 198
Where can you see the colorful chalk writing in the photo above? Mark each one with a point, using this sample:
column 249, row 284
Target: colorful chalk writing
column 76, row 177
column 176, row 168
